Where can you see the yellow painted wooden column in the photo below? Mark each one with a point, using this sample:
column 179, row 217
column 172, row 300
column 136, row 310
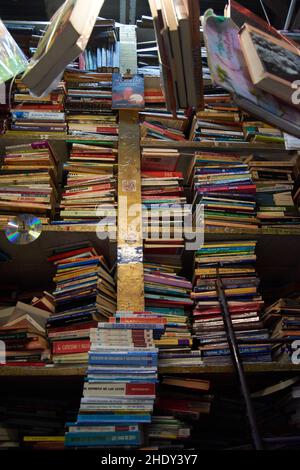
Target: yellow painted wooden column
column 130, row 242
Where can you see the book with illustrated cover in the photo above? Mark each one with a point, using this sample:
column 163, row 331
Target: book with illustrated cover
column 229, row 70
column 273, row 64
column 127, row 93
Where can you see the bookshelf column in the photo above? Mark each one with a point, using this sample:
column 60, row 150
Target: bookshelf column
column 130, row 241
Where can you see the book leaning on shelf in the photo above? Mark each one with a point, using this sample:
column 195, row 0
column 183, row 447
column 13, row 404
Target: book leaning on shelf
column 65, row 38
column 177, row 31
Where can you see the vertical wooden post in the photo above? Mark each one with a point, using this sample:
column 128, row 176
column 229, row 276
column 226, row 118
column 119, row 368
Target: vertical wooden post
column 130, row 242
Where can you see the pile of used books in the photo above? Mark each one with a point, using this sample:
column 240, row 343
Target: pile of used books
column 84, row 294
column 283, row 320
column 37, row 117
column 90, row 191
column 23, row 330
column 167, row 294
column 88, row 105
column 223, row 184
column 120, row 388
column 274, row 185
column 28, row 181
column 234, row 262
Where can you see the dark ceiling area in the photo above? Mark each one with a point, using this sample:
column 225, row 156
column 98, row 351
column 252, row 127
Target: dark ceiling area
column 42, row 10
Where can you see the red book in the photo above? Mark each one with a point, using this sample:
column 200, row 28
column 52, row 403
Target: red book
column 70, row 254
column 78, row 327
column 140, row 389
column 162, row 174
column 163, row 131
column 249, row 188
column 71, row 347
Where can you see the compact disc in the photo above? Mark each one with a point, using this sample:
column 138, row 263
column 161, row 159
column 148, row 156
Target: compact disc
column 23, row 229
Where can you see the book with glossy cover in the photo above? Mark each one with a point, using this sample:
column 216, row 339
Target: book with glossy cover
column 229, row 70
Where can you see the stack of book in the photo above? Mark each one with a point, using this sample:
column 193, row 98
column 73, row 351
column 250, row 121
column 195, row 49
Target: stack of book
column 37, row 116
column 28, row 181
column 283, row 320
column 258, row 131
column 223, row 184
column 274, row 185
column 219, row 121
column 167, row 431
column 234, row 262
column 181, row 406
column 89, row 194
column 84, row 294
column 167, row 294
column 177, row 30
column 120, row 388
column 166, row 126
column 88, row 105
column 102, row 53
column 24, row 335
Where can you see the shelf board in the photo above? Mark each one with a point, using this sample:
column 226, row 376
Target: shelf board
column 80, row 371
column 268, row 367
column 193, row 146
column 226, row 233
column 43, row 371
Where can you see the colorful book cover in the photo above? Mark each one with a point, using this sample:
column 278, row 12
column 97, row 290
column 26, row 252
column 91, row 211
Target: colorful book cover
column 127, row 93
column 229, row 70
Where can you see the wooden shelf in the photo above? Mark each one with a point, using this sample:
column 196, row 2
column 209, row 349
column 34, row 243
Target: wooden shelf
column 80, row 371
column 43, row 371
column 209, row 146
column 268, row 367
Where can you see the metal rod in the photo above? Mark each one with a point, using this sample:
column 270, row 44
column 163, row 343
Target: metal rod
column 238, row 364
column 290, row 14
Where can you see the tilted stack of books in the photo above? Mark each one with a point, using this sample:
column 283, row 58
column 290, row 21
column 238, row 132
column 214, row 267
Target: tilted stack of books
column 23, row 332
column 84, row 294
column 234, row 262
column 29, row 181
column 223, row 184
column 37, row 117
column 180, row 407
column 274, row 185
column 90, row 191
column 120, row 388
column 88, row 105
column 167, row 294
column 283, row 320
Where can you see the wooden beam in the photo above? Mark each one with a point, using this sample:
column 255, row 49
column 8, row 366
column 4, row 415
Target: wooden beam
column 130, row 242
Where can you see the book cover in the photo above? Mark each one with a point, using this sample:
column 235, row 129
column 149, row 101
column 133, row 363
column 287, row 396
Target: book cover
column 127, row 93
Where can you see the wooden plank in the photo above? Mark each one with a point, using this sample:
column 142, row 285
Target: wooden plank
column 79, row 371
column 130, row 243
column 212, row 146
